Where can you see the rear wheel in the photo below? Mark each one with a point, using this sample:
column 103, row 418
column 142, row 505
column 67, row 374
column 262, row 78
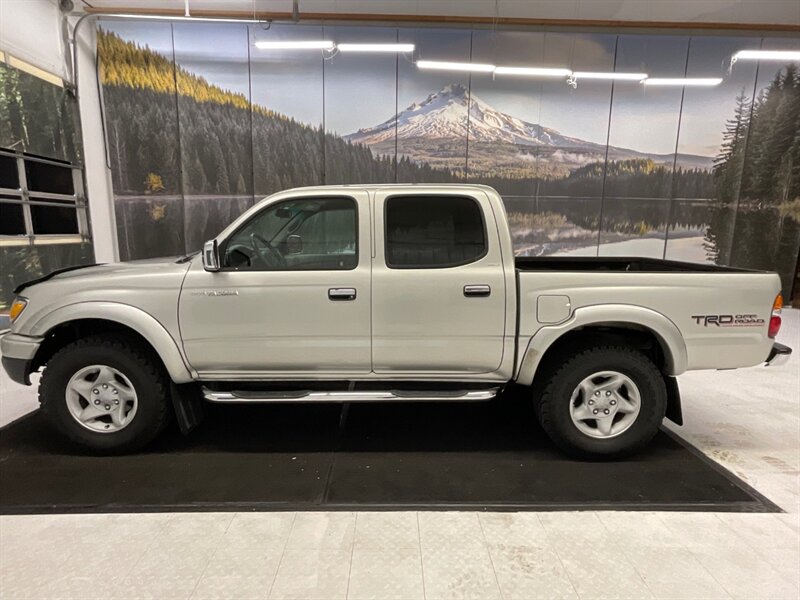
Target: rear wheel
column 606, row 401
column 107, row 394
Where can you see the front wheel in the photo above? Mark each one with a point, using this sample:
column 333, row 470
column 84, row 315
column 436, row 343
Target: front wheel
column 107, row 394
column 606, row 401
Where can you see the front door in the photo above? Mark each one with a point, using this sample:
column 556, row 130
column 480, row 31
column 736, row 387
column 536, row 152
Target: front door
column 292, row 296
column 438, row 285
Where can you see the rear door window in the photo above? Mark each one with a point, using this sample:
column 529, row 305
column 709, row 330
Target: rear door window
column 433, row 232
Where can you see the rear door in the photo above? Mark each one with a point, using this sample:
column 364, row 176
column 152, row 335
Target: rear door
column 438, row 285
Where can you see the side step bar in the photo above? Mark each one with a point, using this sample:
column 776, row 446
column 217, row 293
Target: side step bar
column 350, row 396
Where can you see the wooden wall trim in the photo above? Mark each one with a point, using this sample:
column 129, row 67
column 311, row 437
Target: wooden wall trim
column 453, row 20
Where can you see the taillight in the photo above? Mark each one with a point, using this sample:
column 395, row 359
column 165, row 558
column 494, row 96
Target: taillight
column 775, row 319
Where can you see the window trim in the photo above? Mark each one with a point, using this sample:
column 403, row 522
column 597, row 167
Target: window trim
column 440, row 266
column 27, row 198
column 224, row 245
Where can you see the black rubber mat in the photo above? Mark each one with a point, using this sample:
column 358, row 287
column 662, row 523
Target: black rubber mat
column 392, row 456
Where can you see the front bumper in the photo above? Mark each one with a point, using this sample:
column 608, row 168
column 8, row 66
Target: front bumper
column 18, row 369
column 779, row 355
column 18, row 352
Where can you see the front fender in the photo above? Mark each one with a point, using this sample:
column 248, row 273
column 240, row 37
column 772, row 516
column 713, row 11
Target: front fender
column 138, row 320
column 667, row 333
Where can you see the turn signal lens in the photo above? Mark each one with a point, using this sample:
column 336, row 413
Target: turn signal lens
column 775, row 320
column 17, row 307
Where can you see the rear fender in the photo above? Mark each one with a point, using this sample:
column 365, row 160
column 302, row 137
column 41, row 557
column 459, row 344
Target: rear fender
column 666, row 332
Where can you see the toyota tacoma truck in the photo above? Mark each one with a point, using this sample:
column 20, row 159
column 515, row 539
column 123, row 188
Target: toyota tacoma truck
column 383, row 293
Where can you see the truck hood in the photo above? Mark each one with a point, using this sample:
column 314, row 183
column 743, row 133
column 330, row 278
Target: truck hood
column 124, row 268
column 109, row 270
column 151, row 286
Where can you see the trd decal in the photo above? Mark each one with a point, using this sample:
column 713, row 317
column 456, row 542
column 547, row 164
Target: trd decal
column 728, row 320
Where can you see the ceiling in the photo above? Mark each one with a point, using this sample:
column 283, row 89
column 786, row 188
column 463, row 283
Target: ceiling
column 739, row 12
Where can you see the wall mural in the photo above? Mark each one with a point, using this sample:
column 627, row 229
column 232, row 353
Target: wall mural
column 201, row 123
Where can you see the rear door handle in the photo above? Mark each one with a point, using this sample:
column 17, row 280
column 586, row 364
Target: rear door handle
column 477, row 291
column 342, row 294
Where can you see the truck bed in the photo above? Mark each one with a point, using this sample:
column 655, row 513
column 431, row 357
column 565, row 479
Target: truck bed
column 618, row 263
column 684, row 294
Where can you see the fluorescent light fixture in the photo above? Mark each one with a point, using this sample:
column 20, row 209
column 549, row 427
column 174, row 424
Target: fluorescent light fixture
column 767, row 55
column 533, row 71
column 179, row 18
column 295, row 45
column 375, row 47
column 697, row 81
column 609, row 76
column 455, row 66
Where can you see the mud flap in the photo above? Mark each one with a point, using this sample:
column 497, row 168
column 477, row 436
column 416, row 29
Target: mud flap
column 188, row 405
column 674, row 411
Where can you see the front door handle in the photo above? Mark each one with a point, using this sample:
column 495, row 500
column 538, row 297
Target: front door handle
column 340, row 294
column 477, row 291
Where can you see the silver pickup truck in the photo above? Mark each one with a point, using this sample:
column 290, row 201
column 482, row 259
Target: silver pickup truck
column 383, row 293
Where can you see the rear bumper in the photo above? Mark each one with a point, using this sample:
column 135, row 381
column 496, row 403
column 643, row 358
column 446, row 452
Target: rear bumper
column 779, row 355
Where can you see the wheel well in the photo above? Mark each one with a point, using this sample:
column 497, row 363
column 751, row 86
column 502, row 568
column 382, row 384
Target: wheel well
column 66, row 333
column 597, row 334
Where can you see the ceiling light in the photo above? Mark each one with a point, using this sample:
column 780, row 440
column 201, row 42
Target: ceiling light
column 682, row 82
column 455, row 66
column 533, row 71
column 375, row 47
column 615, row 76
column 177, row 18
column 295, row 45
column 767, row 55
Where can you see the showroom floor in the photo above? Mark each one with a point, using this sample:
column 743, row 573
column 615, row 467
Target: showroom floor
column 746, row 420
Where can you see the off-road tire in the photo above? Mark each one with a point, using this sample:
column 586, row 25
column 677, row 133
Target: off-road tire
column 140, row 366
column 553, row 407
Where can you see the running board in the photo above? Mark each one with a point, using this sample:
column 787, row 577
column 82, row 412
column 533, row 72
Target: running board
column 246, row 396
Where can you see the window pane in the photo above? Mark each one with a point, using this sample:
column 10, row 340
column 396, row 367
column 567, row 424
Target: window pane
column 433, row 232
column 9, row 178
column 11, row 220
column 39, row 112
column 329, row 232
column 43, row 177
column 297, row 235
column 54, row 220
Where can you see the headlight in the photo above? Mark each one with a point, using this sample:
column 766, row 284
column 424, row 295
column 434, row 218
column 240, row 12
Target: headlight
column 17, row 307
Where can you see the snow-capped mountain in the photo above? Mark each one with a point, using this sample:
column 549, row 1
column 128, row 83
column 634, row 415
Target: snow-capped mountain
column 448, row 112
column 433, row 127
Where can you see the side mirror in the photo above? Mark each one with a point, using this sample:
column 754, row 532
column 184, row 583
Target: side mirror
column 294, row 244
column 210, row 256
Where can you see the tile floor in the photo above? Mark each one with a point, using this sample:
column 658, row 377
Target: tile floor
column 747, row 420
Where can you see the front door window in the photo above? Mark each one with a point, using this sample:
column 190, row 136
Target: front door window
column 297, row 235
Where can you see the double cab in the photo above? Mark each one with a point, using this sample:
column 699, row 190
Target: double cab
column 383, row 293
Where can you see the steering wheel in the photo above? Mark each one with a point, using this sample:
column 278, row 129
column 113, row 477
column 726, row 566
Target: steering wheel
column 267, row 252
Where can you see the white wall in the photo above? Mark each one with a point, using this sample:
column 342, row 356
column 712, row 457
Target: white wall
column 31, row 31
column 98, row 175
